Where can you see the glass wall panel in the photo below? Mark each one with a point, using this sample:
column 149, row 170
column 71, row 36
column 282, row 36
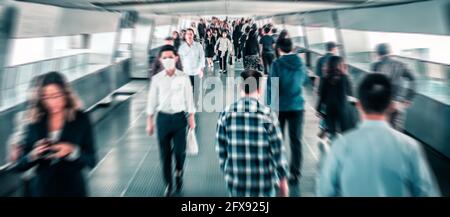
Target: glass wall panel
column 426, row 55
column 319, row 36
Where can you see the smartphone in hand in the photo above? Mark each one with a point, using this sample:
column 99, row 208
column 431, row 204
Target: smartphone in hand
column 48, row 152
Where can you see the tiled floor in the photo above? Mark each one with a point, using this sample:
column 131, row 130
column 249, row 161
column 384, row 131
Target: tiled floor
column 129, row 162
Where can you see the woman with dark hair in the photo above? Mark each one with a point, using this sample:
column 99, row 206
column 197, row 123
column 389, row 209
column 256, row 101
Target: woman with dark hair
column 210, row 43
column 216, row 37
column 333, row 92
column 182, row 33
column 283, row 35
column 176, row 39
column 251, row 48
column 58, row 140
column 223, row 48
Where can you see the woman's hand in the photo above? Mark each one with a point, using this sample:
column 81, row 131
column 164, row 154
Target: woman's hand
column 40, row 147
column 61, row 150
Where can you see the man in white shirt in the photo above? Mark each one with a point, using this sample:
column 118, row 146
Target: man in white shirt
column 170, row 96
column 374, row 159
column 192, row 58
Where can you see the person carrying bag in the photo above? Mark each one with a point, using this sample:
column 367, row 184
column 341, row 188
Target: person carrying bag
column 224, row 48
column 192, row 145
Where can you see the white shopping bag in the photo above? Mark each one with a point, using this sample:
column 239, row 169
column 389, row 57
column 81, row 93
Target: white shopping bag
column 191, row 143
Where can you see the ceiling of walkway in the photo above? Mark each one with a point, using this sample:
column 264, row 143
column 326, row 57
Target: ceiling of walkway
column 214, row 7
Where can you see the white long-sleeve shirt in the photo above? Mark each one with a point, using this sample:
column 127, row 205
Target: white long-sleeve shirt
column 224, row 44
column 192, row 57
column 170, row 94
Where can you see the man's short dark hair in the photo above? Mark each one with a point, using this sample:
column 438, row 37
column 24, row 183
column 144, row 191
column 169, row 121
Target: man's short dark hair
column 247, row 29
column 191, row 29
column 330, row 45
column 274, row 30
column 168, row 48
column 375, row 93
column 266, row 29
column 383, row 49
column 168, row 38
column 249, row 77
column 285, row 45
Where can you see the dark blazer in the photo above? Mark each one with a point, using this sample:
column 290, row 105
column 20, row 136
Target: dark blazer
column 251, row 46
column 65, row 177
column 333, row 92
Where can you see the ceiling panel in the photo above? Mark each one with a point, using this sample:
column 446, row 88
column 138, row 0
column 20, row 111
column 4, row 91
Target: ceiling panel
column 213, row 7
column 229, row 7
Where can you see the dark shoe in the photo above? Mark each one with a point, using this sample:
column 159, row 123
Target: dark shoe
column 293, row 180
column 168, row 192
column 322, row 133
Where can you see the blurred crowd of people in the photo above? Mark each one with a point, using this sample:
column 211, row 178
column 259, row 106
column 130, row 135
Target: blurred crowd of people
column 368, row 157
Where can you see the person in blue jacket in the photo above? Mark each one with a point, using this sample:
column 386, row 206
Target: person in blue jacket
column 284, row 95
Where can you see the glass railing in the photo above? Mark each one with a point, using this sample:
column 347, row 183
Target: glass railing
column 318, row 48
column 299, row 41
column 15, row 80
column 432, row 77
column 157, row 42
column 123, row 51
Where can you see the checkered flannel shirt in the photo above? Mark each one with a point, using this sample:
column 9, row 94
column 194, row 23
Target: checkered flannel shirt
column 251, row 152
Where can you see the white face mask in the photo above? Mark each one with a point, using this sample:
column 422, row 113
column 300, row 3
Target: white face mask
column 168, row 63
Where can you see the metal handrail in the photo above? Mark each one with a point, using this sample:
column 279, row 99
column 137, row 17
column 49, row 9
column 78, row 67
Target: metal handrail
column 6, row 168
column 43, row 60
column 421, row 60
column 396, row 56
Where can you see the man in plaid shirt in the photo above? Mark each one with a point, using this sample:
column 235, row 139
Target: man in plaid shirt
column 249, row 143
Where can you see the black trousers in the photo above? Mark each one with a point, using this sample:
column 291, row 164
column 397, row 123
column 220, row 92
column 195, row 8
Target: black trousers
column 192, row 79
column 195, row 79
column 335, row 122
column 240, row 52
column 295, row 121
column 236, row 50
column 267, row 59
column 29, row 187
column 172, row 129
column 223, row 60
column 342, row 119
